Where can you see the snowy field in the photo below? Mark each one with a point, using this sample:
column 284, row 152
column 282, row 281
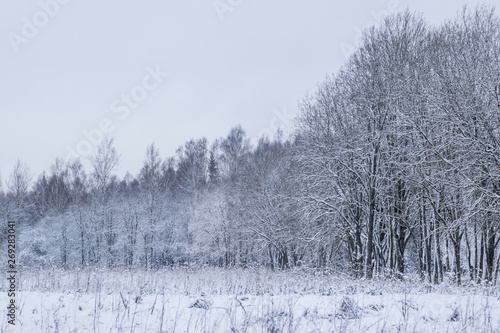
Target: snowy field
column 216, row 300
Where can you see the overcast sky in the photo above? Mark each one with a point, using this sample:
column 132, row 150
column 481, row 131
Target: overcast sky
column 73, row 69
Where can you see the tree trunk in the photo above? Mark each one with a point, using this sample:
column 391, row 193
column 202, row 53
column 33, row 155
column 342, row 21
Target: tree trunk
column 490, row 253
column 428, row 244
column 438, row 261
column 369, row 245
column 371, row 216
column 456, row 246
column 469, row 259
column 481, row 259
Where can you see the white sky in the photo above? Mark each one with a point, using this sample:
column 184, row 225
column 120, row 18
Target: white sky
column 248, row 66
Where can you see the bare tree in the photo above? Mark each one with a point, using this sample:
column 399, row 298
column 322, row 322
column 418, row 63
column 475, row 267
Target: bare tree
column 104, row 163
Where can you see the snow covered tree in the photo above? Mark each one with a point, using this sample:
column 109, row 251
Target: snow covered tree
column 103, row 182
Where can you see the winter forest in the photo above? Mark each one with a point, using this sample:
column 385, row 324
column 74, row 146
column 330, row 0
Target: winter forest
column 392, row 172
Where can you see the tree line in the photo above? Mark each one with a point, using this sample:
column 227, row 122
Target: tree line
column 393, row 168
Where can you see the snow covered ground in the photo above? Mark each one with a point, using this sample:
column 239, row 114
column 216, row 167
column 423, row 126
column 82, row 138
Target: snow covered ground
column 215, row 300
